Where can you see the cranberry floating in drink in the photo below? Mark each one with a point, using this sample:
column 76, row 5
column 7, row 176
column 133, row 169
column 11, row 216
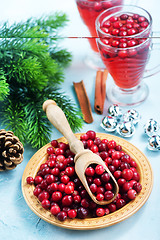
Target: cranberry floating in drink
column 89, row 11
column 124, row 44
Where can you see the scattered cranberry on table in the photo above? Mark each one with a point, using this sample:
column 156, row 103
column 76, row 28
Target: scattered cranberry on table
column 60, row 191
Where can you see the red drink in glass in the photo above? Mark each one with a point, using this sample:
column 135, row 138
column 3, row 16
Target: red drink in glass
column 124, row 46
column 89, row 11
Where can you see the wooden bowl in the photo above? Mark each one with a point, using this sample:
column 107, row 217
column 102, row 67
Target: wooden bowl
column 146, row 179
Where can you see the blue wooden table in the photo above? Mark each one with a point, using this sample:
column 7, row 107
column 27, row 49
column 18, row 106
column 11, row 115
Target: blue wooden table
column 17, row 221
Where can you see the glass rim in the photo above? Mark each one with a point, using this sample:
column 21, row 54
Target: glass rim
column 131, row 36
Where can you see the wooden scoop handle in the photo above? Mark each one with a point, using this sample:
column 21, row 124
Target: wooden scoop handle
column 57, row 117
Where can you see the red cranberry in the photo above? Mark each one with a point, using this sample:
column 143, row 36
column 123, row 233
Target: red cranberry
column 116, row 155
column 93, row 188
column 141, row 19
column 123, row 33
column 120, row 203
column 59, row 151
column 124, row 165
column 107, row 24
column 121, row 181
column 97, row 141
column 116, row 163
column 69, row 171
column 112, row 168
column 126, row 186
column 43, row 184
column 108, row 186
column 82, row 212
column 50, row 150
column 105, row 177
column 37, row 191
column 69, row 189
column 106, row 211
column 51, row 163
column 62, row 145
column 55, row 171
column 131, row 194
column 65, row 179
column 30, row 180
column 99, row 169
column 50, row 179
column 67, row 200
column 117, row 174
column 97, row 181
column 60, row 158
column 56, row 196
column 100, row 212
column 137, row 186
column 72, row 213
column 108, row 195
column 91, row 135
column 127, row 174
column 43, row 195
column 112, row 207
column 124, row 17
column 54, row 143
column 55, row 210
column 84, row 137
column 131, row 31
column 89, row 172
column 100, row 197
column 132, row 182
column 108, row 160
column 89, row 143
column 100, row 189
column 113, row 19
column 54, row 187
column 122, row 53
column 62, row 216
column 46, row 204
column 111, row 144
column 103, row 155
column 85, row 203
column 94, row 148
column 136, row 176
column 77, row 199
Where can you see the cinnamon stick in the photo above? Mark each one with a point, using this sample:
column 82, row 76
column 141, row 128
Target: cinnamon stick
column 83, row 101
column 100, row 91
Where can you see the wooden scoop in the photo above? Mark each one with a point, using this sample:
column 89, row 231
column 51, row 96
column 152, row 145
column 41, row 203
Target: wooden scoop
column 83, row 157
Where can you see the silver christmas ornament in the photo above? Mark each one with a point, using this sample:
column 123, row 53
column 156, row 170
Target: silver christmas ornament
column 154, row 143
column 126, row 129
column 151, row 127
column 109, row 124
column 132, row 115
column 115, row 111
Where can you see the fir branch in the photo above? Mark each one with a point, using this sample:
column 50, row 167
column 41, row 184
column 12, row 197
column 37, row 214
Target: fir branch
column 38, row 126
column 32, row 68
column 60, row 56
column 4, row 86
column 12, row 115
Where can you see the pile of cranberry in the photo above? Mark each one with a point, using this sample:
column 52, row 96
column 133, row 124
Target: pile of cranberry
column 61, row 192
column 124, row 26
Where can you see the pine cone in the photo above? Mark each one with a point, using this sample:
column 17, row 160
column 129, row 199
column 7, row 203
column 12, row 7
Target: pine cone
column 11, row 150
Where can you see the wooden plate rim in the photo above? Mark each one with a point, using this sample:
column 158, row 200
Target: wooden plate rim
column 128, row 210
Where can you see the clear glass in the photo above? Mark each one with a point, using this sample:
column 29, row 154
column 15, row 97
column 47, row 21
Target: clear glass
column 89, row 11
column 126, row 65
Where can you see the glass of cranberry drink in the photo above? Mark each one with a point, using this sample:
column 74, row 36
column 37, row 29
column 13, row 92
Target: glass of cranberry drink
column 89, row 11
column 124, row 44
